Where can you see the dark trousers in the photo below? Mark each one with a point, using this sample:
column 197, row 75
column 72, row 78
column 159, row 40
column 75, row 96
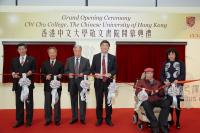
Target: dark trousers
column 164, row 113
column 48, row 107
column 101, row 89
column 178, row 111
column 75, row 90
column 20, row 106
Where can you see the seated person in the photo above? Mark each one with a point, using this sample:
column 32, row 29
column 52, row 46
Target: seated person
column 156, row 98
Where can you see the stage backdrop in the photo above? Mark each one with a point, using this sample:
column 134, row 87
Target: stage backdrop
column 87, row 26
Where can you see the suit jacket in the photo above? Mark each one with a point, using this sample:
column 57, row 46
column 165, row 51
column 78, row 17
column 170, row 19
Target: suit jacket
column 111, row 64
column 84, row 67
column 46, row 69
column 29, row 65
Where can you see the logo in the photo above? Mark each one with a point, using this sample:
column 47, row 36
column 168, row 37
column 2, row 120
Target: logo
column 190, row 21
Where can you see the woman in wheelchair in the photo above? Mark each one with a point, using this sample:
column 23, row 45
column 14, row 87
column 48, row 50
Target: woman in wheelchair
column 156, row 98
column 172, row 71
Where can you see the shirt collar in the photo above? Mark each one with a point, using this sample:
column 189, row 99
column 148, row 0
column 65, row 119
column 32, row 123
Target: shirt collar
column 23, row 56
column 77, row 58
column 106, row 54
column 53, row 60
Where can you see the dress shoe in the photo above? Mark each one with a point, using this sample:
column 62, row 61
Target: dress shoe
column 73, row 121
column 48, row 123
column 109, row 123
column 82, row 122
column 57, row 123
column 18, row 124
column 99, row 122
column 28, row 124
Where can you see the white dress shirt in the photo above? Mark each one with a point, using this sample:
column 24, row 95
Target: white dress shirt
column 54, row 61
column 22, row 58
column 79, row 59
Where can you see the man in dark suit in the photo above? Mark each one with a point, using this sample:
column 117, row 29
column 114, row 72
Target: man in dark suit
column 51, row 68
column 104, row 68
column 80, row 66
column 23, row 64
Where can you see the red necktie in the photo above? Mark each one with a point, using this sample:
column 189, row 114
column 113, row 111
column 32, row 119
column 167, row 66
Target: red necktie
column 104, row 68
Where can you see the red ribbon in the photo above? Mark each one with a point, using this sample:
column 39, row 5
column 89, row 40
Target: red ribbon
column 135, row 86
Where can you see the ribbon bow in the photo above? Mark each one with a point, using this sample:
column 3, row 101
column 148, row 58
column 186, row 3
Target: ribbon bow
column 85, row 86
column 55, row 84
column 24, row 82
column 112, row 88
column 174, row 91
column 142, row 96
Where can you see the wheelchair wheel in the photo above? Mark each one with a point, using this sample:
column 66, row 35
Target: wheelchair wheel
column 140, row 126
column 135, row 119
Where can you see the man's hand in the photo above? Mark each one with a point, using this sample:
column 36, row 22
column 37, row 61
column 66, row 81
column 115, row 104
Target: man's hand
column 167, row 83
column 29, row 73
column 59, row 76
column 71, row 75
column 48, row 77
column 108, row 75
column 97, row 75
column 15, row 75
column 81, row 75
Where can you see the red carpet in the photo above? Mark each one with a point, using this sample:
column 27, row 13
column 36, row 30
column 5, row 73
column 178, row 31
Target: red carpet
column 122, row 119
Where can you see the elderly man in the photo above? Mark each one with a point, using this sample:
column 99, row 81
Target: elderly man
column 77, row 66
column 156, row 98
column 49, row 69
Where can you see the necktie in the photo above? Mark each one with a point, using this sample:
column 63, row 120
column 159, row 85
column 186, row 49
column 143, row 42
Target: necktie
column 77, row 67
column 104, row 68
column 22, row 60
column 52, row 63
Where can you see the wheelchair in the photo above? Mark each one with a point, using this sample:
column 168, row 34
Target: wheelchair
column 139, row 116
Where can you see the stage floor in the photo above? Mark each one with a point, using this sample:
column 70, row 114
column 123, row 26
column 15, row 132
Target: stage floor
column 122, row 119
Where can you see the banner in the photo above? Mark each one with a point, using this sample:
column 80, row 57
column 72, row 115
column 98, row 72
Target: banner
column 69, row 25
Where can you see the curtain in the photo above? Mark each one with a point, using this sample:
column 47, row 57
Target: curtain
column 38, row 51
column 133, row 57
